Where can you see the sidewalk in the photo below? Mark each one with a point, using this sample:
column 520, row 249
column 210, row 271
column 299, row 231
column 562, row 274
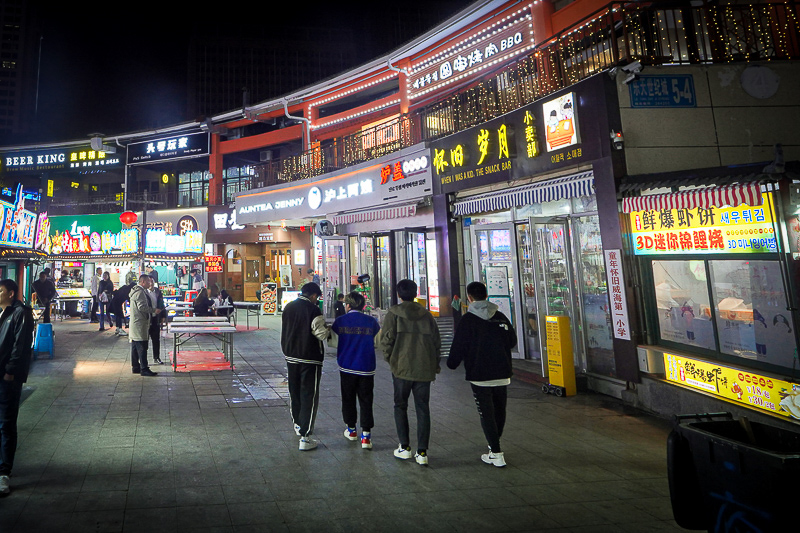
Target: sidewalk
column 101, row 449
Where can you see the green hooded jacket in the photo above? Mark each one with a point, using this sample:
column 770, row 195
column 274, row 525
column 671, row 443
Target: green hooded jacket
column 410, row 342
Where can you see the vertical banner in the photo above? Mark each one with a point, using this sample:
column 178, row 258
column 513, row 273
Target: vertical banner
column 616, row 294
column 269, row 298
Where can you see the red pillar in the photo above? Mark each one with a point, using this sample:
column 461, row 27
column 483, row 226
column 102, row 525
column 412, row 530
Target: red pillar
column 215, row 168
column 541, row 13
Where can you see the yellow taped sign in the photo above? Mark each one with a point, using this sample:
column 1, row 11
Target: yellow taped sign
column 559, row 354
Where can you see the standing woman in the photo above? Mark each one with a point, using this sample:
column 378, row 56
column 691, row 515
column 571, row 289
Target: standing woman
column 104, row 290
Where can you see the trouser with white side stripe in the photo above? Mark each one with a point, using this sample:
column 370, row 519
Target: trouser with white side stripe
column 303, row 383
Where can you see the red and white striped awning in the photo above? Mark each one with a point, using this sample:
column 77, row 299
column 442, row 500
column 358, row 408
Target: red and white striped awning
column 729, row 195
column 385, row 213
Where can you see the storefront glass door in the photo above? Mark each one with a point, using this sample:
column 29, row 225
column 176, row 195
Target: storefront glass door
column 494, row 250
column 527, row 273
column 334, row 266
column 384, row 282
column 417, row 265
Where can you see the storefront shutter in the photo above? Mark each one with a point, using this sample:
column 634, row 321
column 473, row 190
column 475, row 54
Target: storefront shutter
column 729, row 195
column 548, row 191
column 376, row 214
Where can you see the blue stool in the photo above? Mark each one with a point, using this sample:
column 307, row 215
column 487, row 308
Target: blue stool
column 43, row 342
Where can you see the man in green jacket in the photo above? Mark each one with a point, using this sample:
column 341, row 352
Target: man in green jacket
column 410, row 342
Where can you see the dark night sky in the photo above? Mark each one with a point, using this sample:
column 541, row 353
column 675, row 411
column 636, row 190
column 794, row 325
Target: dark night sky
column 123, row 69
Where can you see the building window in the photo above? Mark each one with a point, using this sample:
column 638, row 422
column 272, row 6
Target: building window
column 193, row 189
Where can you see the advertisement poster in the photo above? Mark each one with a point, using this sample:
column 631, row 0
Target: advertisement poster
column 751, row 390
column 708, row 230
column 269, row 298
column 561, row 126
column 616, row 292
column 285, row 272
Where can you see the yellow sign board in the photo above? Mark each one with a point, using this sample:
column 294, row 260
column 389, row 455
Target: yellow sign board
column 559, row 354
column 736, row 385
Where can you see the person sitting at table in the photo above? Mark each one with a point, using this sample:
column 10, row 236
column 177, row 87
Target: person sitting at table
column 202, row 304
column 224, row 299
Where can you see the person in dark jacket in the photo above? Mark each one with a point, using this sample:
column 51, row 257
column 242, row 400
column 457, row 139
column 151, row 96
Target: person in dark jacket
column 105, row 291
column 338, row 307
column 16, row 340
column 483, row 341
column 118, row 299
column 225, row 299
column 202, row 304
column 302, row 331
column 45, row 291
column 157, row 299
column 356, row 357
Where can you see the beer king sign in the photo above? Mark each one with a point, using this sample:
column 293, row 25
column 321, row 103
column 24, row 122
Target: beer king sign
column 705, row 230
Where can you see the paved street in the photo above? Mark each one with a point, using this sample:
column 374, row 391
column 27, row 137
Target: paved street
column 102, row 449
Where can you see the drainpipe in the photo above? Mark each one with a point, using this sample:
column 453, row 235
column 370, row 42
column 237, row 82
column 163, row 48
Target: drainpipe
column 304, row 119
column 394, row 68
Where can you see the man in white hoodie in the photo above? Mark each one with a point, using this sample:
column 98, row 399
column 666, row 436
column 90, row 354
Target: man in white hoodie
column 483, row 340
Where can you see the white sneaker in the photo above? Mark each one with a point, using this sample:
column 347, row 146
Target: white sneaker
column 366, row 441
column 496, row 459
column 350, row 434
column 297, row 430
column 122, row 333
column 421, row 458
column 402, row 453
column 5, row 486
column 307, row 443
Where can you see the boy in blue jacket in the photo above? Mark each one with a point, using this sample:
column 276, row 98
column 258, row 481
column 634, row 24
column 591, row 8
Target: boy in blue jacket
column 483, row 341
column 356, row 358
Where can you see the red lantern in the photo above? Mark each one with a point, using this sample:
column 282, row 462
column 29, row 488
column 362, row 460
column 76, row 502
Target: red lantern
column 128, row 217
column 302, row 228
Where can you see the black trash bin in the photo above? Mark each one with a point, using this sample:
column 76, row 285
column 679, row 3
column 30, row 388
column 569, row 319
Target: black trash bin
column 732, row 475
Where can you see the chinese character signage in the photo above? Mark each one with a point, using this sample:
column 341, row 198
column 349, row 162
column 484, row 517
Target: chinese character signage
column 705, row 230
column 735, row 385
column 561, row 124
column 181, row 146
column 17, row 224
column 83, row 158
column 670, row 90
column 403, row 175
column 213, row 263
column 487, row 47
column 616, row 295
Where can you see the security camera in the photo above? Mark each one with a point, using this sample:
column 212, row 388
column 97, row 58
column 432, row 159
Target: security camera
column 617, row 139
column 632, row 68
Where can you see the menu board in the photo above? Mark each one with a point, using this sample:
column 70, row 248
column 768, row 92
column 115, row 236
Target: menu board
column 269, row 298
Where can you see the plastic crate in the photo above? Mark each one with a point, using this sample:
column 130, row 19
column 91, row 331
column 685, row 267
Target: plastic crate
column 732, row 475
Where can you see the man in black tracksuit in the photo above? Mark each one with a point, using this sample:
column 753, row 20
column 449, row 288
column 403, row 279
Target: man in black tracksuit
column 302, row 331
column 483, row 340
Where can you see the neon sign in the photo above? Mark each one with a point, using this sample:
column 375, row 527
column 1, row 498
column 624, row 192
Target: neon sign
column 17, row 225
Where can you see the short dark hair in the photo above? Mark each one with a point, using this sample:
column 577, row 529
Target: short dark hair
column 142, row 276
column 406, row 290
column 341, row 296
column 310, row 289
column 477, row 290
column 10, row 285
column 355, row 300
column 42, row 275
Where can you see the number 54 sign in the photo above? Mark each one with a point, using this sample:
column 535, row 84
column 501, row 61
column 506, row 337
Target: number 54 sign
column 668, row 90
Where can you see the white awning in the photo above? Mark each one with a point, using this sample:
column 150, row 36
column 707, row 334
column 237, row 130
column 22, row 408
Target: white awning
column 385, row 213
column 729, row 195
column 547, row 191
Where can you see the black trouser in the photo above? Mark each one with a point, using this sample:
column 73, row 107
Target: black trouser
column 491, row 402
column 46, row 305
column 359, row 387
column 139, row 356
column 10, row 394
column 95, row 303
column 155, row 335
column 303, row 383
column 422, row 395
column 119, row 314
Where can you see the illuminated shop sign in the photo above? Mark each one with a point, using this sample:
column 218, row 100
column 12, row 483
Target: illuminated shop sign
column 17, row 225
column 736, row 385
column 561, row 123
column 388, row 179
column 169, row 148
column 69, row 159
column 495, row 44
column 158, row 241
column 704, row 230
column 125, row 241
column 33, row 196
column 175, row 232
column 213, row 263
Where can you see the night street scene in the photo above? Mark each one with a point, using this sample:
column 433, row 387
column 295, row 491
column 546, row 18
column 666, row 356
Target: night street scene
column 443, row 266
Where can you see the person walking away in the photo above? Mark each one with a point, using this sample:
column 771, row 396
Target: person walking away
column 483, row 341
column 142, row 311
column 105, row 290
column 303, row 330
column 16, row 340
column 45, row 291
column 202, row 304
column 355, row 353
column 94, row 284
column 338, row 307
column 411, row 345
column 154, row 332
column 118, row 300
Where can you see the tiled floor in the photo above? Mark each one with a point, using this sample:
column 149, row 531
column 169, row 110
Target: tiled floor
column 102, row 449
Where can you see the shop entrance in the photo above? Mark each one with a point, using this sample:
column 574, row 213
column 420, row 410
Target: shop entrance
column 495, row 251
column 335, row 271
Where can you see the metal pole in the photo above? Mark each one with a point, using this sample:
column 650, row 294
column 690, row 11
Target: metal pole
column 145, row 203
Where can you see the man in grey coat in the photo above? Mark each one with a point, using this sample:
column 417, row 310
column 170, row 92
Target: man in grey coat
column 142, row 310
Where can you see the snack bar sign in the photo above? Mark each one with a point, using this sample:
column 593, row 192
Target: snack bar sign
column 705, row 230
column 735, row 385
